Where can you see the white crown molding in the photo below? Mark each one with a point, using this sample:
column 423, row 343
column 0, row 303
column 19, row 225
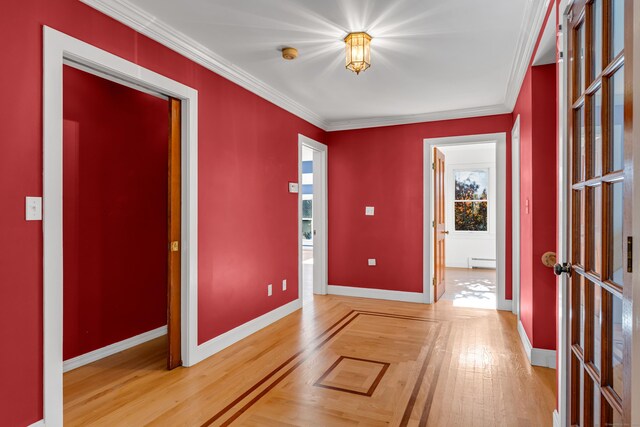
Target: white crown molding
column 531, row 25
column 145, row 23
column 462, row 113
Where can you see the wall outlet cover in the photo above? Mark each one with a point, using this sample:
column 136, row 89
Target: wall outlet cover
column 369, row 210
column 372, row 261
column 294, row 187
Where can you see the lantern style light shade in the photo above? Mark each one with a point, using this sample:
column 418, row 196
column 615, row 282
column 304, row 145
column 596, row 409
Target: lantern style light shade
column 358, row 47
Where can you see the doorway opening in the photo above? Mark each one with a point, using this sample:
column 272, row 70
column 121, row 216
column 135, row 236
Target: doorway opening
column 465, row 224
column 312, row 208
column 121, row 230
column 464, row 240
column 181, row 204
column 306, row 188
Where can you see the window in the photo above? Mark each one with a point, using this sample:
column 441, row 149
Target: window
column 471, row 200
column 307, row 213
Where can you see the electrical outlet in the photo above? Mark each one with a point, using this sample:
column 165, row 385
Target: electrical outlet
column 284, row 285
column 372, row 261
column 269, row 290
column 369, row 210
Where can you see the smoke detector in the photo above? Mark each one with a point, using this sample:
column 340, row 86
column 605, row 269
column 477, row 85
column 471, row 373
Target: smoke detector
column 289, row 53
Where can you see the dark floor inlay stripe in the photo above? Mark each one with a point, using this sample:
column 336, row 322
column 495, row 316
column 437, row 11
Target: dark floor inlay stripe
column 371, row 389
column 316, row 347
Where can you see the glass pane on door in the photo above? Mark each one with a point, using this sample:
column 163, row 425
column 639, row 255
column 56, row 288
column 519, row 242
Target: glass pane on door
column 617, row 27
column 616, row 151
column 579, row 146
column 580, row 48
column 617, row 346
column 616, row 221
column 596, row 406
column 596, row 134
column 595, row 228
column 596, row 55
column 582, row 309
column 597, row 326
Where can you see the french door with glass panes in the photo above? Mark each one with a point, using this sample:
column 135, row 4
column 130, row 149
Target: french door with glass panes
column 599, row 338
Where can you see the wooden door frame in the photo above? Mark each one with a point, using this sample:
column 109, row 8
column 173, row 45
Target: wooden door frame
column 59, row 49
column 320, row 240
column 500, row 139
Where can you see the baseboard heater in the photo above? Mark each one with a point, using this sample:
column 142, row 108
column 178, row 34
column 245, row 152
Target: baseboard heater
column 482, row 263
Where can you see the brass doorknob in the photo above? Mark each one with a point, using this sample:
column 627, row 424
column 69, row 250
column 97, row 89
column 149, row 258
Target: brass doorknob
column 549, row 259
column 446, row 232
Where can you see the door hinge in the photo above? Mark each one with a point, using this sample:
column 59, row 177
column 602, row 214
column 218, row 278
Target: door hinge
column 175, row 246
column 433, row 166
column 434, row 281
column 629, row 254
column 433, row 223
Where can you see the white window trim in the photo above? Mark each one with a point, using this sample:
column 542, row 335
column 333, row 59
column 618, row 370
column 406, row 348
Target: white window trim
column 468, row 233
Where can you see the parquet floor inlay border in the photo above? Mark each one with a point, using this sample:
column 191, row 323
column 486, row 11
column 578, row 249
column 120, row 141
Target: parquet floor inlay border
column 256, row 392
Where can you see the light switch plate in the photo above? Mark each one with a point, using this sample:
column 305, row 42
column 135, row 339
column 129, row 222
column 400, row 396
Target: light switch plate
column 284, row 285
column 372, row 261
column 269, row 290
column 369, row 210
column 293, row 187
column 33, row 208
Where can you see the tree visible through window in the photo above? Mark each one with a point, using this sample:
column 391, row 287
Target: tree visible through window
column 471, row 200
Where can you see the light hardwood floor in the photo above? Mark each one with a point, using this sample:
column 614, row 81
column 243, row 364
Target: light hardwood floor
column 337, row 362
column 470, row 287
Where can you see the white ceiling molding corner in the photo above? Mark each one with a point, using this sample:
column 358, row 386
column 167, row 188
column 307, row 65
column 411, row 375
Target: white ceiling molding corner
column 150, row 26
column 531, row 26
column 490, row 110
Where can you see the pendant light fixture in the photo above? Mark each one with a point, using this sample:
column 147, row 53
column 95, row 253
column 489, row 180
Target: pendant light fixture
column 358, row 51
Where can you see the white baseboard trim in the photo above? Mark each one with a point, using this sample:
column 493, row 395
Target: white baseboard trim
column 37, row 424
column 536, row 356
column 504, row 305
column 348, row 291
column 556, row 419
column 231, row 337
column 114, row 348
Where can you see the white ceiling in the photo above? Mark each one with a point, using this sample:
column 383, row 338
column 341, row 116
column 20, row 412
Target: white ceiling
column 546, row 53
column 430, row 58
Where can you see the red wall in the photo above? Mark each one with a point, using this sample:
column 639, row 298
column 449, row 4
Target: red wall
column 247, row 219
column 536, row 107
column 115, row 212
column 383, row 167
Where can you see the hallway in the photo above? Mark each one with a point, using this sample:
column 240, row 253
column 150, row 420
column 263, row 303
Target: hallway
column 338, row 361
column 473, row 288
